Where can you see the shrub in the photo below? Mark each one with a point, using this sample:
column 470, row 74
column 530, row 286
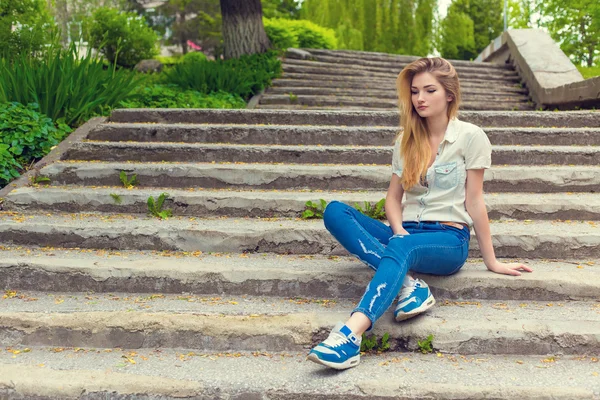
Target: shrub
column 63, row 85
column 194, row 57
column 244, row 76
column 25, row 135
column 171, row 96
column 307, row 34
column 32, row 26
column 123, row 37
column 280, row 35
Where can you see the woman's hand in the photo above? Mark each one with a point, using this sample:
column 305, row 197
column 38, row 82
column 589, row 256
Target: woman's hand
column 508, row 268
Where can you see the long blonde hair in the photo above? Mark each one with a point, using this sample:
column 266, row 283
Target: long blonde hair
column 414, row 146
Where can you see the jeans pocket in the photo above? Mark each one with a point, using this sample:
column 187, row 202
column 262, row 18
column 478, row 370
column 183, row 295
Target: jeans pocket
column 446, row 175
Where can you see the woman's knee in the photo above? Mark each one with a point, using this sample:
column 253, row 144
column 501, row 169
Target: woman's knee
column 334, row 213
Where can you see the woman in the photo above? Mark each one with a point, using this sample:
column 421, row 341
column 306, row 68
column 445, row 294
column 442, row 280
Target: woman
column 438, row 162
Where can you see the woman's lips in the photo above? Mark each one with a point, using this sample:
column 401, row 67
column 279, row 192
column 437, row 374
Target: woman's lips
column 421, row 107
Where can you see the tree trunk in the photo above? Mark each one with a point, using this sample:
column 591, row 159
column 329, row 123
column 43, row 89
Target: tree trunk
column 182, row 33
column 243, row 30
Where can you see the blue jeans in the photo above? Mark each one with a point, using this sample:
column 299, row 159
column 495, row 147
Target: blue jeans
column 431, row 248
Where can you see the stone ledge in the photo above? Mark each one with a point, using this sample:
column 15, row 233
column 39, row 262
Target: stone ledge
column 552, row 79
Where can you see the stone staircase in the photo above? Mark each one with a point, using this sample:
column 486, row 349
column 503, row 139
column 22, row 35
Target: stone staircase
column 365, row 80
column 224, row 299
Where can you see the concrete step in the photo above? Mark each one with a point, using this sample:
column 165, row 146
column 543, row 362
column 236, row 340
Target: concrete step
column 468, row 103
column 175, row 374
column 251, row 324
column 527, row 239
column 387, row 67
column 352, row 56
column 386, row 74
column 472, row 106
column 348, row 82
column 380, row 155
column 538, row 119
column 232, row 274
column 536, row 179
column 321, row 135
column 391, row 93
column 266, row 204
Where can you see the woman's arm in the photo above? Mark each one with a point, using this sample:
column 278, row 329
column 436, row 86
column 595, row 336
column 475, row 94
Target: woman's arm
column 393, row 205
column 475, row 205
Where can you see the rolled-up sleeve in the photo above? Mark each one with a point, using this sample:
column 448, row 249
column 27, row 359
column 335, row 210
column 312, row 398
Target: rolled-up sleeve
column 478, row 153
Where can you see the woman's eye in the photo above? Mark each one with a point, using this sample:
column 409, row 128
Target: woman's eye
column 415, row 92
column 430, row 91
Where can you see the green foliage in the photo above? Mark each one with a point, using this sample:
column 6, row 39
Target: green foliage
column 123, row 37
column 589, row 72
column 127, row 182
column 194, row 57
column 289, row 9
column 116, row 198
column 31, row 22
column 37, row 179
column 376, row 210
column 305, row 33
column 155, row 207
column 426, row 345
column 371, row 343
column 169, row 60
column 457, row 40
column 293, row 98
column 65, row 86
column 26, row 136
column 172, row 96
column 9, row 167
column 280, row 35
column 314, row 209
column 575, row 25
column 29, row 133
column 394, row 26
column 487, row 18
column 244, row 76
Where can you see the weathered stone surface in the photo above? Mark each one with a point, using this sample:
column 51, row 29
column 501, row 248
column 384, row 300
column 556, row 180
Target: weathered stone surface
column 148, row 66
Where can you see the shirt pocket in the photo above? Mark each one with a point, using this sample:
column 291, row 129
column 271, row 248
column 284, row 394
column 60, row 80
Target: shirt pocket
column 446, row 175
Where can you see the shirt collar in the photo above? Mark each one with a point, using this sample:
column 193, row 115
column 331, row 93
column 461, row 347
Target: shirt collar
column 451, row 131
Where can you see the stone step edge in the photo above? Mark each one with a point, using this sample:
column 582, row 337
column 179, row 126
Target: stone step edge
column 276, row 203
column 35, row 380
column 580, row 239
column 284, row 276
column 294, row 331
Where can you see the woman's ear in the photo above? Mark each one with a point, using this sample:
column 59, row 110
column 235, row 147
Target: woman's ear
column 450, row 98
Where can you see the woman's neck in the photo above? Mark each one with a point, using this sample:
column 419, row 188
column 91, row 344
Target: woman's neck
column 437, row 126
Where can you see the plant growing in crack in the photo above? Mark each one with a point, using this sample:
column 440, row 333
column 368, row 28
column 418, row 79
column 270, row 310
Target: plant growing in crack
column 314, row 210
column 371, row 343
column 118, row 199
column 37, row 179
column 127, row 182
column 426, row 345
column 376, row 211
column 155, row 207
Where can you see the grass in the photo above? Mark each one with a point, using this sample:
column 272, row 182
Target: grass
column 589, row 72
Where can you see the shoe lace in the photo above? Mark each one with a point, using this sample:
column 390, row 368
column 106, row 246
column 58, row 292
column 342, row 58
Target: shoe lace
column 336, row 339
column 407, row 290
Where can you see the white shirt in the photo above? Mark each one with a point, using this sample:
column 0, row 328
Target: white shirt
column 465, row 146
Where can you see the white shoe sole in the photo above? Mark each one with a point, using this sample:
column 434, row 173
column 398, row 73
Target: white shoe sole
column 349, row 363
column 430, row 302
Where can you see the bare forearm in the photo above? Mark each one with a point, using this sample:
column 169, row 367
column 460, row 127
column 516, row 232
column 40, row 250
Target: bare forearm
column 393, row 212
column 481, row 224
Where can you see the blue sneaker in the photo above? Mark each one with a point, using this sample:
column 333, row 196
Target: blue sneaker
column 414, row 299
column 341, row 350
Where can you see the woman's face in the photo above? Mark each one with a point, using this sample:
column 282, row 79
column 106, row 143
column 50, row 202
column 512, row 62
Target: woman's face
column 428, row 96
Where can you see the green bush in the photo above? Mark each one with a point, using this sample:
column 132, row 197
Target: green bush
column 244, row 77
column 194, row 57
column 25, row 135
column 172, row 96
column 589, row 72
column 280, row 35
column 64, row 85
column 123, row 37
column 307, row 34
column 32, row 26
